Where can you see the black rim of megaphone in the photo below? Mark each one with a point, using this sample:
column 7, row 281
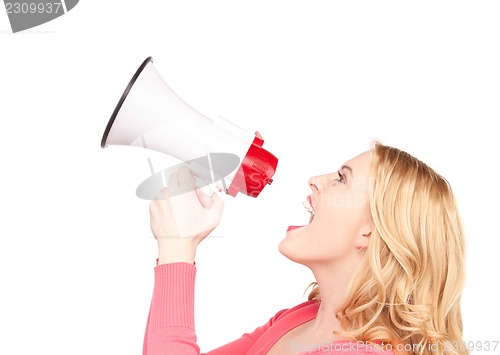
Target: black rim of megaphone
column 122, row 100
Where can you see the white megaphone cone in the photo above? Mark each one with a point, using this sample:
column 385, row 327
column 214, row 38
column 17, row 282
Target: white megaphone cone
column 150, row 115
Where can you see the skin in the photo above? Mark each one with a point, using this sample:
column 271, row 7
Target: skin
column 331, row 245
column 182, row 216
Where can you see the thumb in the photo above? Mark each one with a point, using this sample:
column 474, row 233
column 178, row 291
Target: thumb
column 217, row 206
column 205, row 200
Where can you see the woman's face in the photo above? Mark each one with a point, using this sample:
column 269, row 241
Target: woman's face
column 342, row 222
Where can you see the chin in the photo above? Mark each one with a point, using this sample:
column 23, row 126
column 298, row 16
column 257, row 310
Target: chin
column 292, row 248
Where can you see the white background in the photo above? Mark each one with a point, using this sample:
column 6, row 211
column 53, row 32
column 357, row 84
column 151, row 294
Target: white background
column 319, row 80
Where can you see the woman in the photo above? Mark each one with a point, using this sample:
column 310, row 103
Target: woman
column 384, row 243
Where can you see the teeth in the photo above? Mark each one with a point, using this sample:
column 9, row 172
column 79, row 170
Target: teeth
column 308, row 206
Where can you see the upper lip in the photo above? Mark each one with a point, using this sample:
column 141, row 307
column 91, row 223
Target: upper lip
column 309, row 199
column 310, row 208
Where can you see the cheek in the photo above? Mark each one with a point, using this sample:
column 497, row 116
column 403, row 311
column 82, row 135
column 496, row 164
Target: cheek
column 342, row 216
column 334, row 235
column 349, row 207
column 335, row 210
column 345, row 203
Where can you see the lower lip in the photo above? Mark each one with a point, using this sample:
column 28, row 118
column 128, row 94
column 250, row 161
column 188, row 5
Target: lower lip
column 291, row 228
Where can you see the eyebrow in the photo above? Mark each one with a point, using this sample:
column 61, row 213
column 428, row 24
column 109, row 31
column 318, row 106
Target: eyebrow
column 347, row 168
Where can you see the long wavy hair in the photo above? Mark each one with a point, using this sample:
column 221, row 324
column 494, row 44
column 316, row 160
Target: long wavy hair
column 407, row 289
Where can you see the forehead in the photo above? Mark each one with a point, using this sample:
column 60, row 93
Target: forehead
column 361, row 163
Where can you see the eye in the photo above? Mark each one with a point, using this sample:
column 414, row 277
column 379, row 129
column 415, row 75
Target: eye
column 341, row 178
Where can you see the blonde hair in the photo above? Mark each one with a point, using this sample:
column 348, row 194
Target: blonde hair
column 407, row 289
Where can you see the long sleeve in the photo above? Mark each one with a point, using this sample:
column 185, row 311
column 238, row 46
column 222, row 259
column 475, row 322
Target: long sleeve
column 170, row 327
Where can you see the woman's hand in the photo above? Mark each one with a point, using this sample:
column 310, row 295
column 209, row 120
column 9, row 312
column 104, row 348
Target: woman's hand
column 182, row 215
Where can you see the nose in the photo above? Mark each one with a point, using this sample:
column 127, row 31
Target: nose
column 314, row 183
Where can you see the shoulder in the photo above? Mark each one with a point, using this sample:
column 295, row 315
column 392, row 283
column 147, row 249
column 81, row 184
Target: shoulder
column 308, row 306
column 295, row 314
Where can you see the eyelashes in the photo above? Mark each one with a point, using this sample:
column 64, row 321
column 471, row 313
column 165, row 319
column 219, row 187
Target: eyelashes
column 341, row 178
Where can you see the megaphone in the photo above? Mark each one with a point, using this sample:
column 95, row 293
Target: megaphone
column 150, row 115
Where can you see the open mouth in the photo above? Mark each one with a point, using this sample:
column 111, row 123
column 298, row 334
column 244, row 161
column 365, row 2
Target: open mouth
column 308, row 206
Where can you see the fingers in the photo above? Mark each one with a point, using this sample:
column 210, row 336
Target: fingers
column 162, row 195
column 205, row 200
column 185, row 178
column 173, row 181
column 217, row 206
column 181, row 181
column 187, row 215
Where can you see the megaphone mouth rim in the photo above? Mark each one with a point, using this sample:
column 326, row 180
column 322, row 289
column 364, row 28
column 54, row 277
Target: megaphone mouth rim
column 122, row 100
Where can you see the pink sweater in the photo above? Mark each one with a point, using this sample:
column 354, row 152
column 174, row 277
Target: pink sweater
column 170, row 327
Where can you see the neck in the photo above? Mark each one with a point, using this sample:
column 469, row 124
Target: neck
column 332, row 280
